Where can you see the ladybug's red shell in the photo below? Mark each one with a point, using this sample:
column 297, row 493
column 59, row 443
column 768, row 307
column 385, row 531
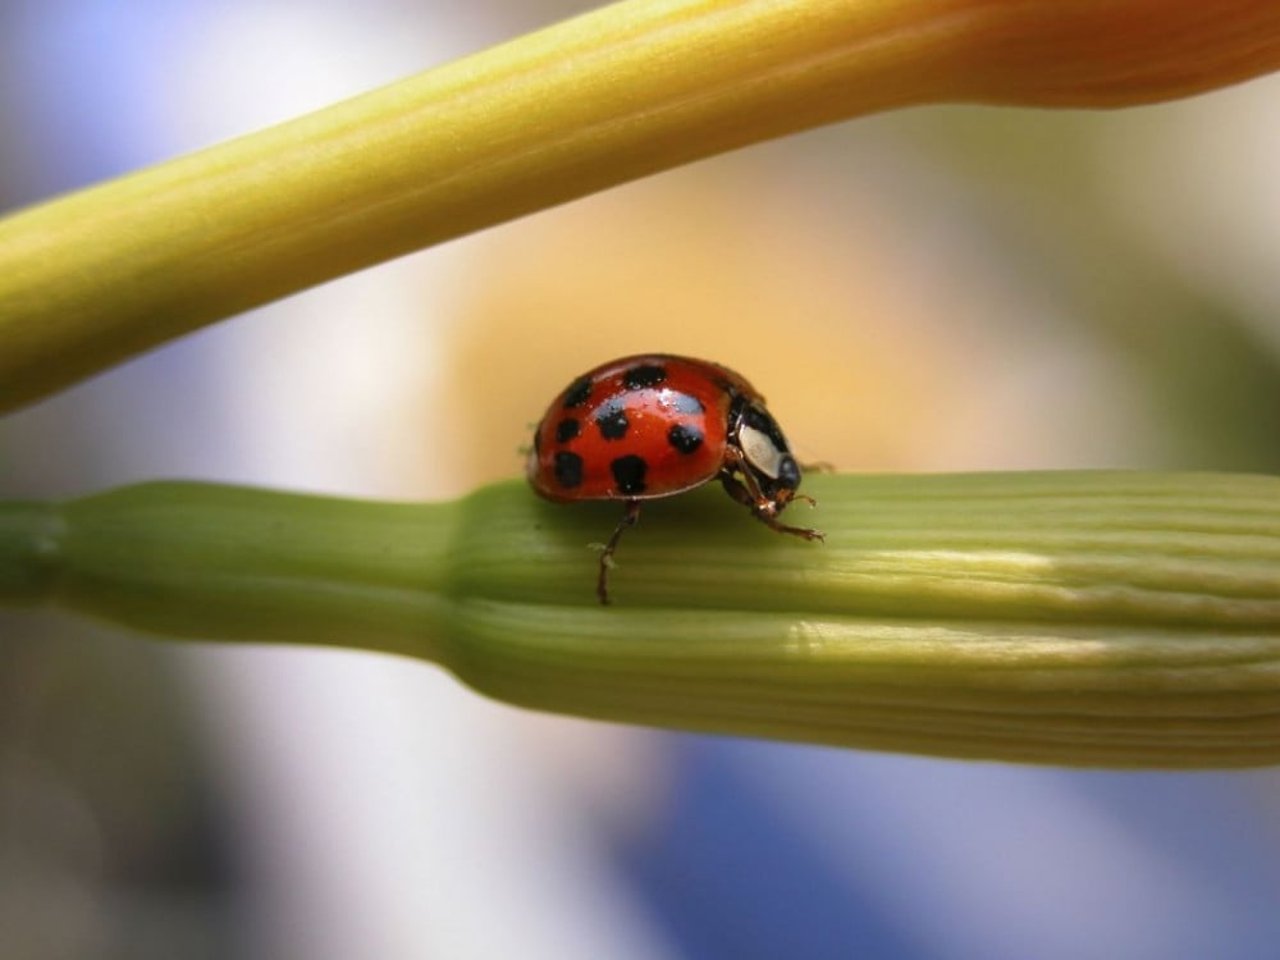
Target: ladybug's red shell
column 637, row 428
column 654, row 425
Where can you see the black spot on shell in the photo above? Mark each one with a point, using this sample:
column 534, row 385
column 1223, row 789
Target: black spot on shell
column 568, row 469
column 645, row 375
column 567, row 429
column 683, row 403
column 629, row 473
column 683, row 438
column 612, row 421
column 578, row 393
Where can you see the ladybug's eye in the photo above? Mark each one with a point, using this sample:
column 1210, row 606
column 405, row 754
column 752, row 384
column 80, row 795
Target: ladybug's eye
column 788, row 474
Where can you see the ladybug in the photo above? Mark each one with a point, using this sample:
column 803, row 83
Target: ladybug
column 655, row 425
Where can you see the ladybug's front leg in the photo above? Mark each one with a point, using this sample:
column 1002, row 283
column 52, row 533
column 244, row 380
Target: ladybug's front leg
column 606, row 556
column 748, row 493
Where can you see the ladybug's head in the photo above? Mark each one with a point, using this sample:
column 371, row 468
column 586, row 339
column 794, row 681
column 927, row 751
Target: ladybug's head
column 764, row 453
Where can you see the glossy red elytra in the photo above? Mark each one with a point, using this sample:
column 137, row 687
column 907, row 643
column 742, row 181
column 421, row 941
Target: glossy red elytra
column 655, row 425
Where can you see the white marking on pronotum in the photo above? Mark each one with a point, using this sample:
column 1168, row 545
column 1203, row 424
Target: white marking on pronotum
column 760, row 451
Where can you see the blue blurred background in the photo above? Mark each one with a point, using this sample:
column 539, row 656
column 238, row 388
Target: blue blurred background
column 938, row 289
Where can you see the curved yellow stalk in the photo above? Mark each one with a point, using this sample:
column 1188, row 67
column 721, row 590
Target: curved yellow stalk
column 636, row 87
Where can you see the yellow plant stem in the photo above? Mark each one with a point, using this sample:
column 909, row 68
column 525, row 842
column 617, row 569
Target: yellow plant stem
column 1112, row 619
column 632, row 88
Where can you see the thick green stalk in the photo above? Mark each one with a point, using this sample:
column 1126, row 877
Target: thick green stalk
column 1115, row 619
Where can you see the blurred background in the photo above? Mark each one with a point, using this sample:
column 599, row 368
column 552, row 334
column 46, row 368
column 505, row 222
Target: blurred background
column 939, row 289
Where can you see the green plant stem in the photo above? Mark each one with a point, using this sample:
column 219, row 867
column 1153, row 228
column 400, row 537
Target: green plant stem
column 1115, row 619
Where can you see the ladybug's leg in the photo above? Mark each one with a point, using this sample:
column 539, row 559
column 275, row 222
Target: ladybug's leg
column 747, row 492
column 606, row 556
